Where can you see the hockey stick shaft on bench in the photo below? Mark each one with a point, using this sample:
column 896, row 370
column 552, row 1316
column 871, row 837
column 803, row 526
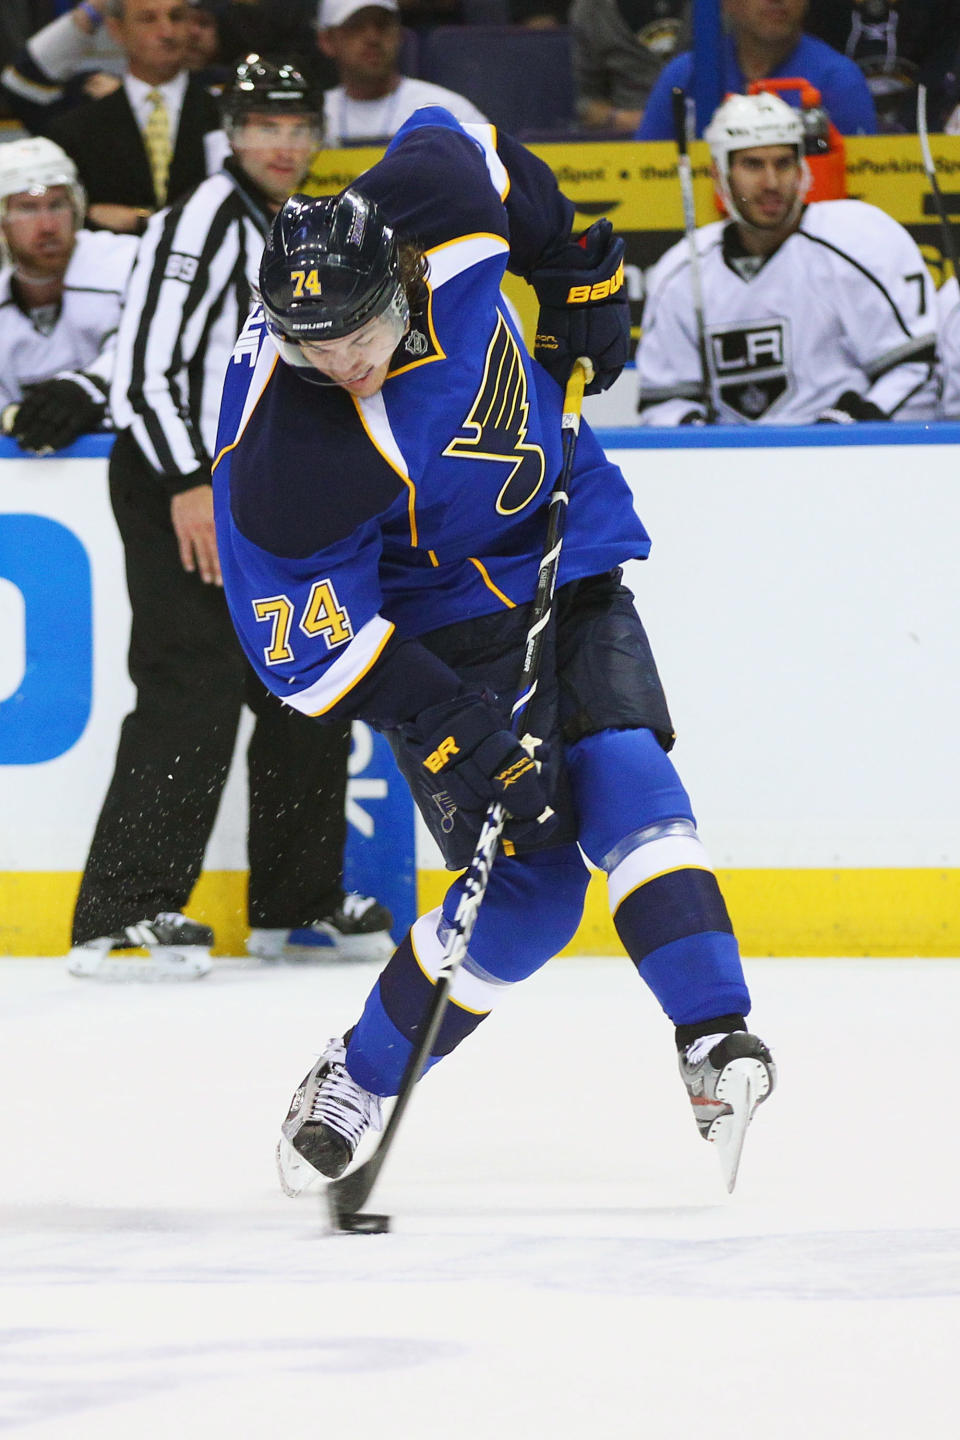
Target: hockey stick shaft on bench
column 930, row 170
column 685, row 175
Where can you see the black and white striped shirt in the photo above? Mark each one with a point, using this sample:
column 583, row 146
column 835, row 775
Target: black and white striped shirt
column 188, row 299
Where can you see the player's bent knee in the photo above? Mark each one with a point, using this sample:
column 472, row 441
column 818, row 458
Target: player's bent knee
column 531, row 910
column 623, row 783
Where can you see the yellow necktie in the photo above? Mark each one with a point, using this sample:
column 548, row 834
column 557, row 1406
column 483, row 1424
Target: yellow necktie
column 157, row 139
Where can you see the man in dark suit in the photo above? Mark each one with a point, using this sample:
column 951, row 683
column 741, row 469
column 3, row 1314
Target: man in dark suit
column 142, row 147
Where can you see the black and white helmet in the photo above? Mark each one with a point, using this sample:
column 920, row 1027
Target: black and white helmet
column 746, row 122
column 330, row 266
column 261, row 86
column 35, row 164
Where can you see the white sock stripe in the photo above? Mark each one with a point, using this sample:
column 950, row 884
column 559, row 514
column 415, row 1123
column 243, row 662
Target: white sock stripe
column 670, row 852
column 470, row 991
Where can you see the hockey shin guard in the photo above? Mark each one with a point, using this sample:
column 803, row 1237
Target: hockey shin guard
column 638, row 826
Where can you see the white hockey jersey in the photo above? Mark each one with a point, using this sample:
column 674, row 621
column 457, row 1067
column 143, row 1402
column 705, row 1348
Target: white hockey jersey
column 82, row 336
column 845, row 304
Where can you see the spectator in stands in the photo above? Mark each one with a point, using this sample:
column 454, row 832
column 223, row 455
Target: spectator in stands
column 61, row 290
column 764, row 41
column 897, row 46
column 72, row 59
column 619, row 49
column 142, row 147
column 823, row 312
column 373, row 99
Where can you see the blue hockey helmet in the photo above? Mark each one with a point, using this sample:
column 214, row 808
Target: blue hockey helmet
column 330, row 266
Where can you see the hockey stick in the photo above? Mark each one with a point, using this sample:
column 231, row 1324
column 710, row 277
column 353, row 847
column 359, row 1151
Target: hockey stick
column 685, row 172
column 346, row 1195
column 930, row 170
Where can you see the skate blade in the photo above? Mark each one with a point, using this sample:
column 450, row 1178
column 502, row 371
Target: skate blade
column 162, row 962
column 296, row 1175
column 350, row 950
column 742, row 1085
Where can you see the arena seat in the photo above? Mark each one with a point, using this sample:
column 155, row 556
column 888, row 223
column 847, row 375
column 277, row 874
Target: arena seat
column 521, row 79
column 485, row 12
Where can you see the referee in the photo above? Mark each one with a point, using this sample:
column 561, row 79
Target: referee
column 188, row 299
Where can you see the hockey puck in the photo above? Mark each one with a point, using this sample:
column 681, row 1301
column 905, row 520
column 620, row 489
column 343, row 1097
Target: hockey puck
column 359, row 1224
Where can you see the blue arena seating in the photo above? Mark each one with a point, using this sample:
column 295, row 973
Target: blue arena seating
column 485, row 12
column 521, row 79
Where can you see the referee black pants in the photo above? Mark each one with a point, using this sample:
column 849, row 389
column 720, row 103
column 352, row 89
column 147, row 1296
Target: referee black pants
column 177, row 744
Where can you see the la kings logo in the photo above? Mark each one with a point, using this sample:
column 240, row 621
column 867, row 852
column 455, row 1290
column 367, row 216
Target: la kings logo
column 750, row 364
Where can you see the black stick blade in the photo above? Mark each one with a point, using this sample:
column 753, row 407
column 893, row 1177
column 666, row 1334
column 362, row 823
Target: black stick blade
column 345, row 1221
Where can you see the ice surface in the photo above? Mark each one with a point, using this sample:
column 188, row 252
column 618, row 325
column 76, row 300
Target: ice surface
column 565, row 1261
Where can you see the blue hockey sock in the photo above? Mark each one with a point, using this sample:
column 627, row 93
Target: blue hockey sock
column 383, row 1038
column 637, row 824
column 672, row 920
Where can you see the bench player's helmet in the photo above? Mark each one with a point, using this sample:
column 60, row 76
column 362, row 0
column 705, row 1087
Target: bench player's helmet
column 260, row 86
column 746, row 122
column 34, row 164
column 330, row 266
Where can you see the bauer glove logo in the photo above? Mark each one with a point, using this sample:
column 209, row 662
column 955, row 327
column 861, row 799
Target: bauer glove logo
column 602, row 290
column 438, row 758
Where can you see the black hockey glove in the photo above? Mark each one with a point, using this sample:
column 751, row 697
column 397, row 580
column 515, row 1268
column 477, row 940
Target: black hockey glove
column 55, row 412
column 584, row 308
column 464, row 751
column 848, row 409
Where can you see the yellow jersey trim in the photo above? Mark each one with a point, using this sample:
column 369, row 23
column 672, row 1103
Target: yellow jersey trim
column 357, row 678
column 671, row 870
column 431, row 980
column 411, row 487
column 510, row 604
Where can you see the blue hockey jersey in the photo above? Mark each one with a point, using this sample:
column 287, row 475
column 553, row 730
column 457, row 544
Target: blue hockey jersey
column 349, row 527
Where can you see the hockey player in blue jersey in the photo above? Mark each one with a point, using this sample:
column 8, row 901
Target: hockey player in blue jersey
column 386, row 452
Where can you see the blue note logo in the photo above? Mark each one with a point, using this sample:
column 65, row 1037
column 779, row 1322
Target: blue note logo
column 46, row 639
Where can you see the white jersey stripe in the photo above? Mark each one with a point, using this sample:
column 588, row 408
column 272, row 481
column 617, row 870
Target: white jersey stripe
column 486, row 138
column 470, row 991
column 450, row 260
column 345, row 672
column 657, row 857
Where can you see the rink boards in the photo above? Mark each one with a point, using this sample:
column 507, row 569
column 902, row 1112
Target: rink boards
column 802, row 601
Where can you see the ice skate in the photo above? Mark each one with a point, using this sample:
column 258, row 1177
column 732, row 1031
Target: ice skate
column 177, row 949
column 727, row 1076
column 359, row 929
column 327, row 1118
